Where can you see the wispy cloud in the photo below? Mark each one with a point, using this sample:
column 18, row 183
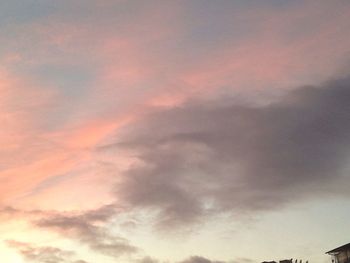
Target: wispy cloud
column 43, row 254
column 90, row 229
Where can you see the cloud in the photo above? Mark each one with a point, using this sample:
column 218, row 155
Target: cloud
column 8, row 213
column 43, row 254
column 148, row 260
column 113, row 73
column 98, row 66
column 223, row 156
column 89, row 228
column 29, row 155
column 192, row 259
column 198, row 259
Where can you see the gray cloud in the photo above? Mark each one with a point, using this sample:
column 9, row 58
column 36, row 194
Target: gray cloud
column 90, row 228
column 198, row 259
column 192, row 259
column 227, row 157
column 147, row 260
column 43, row 254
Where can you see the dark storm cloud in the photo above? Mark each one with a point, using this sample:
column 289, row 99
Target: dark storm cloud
column 228, row 157
column 43, row 254
column 90, row 228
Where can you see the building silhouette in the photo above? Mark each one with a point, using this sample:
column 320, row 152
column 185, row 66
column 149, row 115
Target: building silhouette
column 340, row 254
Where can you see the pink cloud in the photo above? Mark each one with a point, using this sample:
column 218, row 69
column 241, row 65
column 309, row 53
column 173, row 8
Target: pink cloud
column 136, row 68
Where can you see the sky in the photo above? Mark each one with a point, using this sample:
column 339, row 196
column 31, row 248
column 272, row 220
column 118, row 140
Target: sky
column 156, row 131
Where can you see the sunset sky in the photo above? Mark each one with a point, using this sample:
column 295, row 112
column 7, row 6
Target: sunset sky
column 183, row 131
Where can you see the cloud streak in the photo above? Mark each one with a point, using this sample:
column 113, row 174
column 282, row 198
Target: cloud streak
column 89, row 228
column 43, row 254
